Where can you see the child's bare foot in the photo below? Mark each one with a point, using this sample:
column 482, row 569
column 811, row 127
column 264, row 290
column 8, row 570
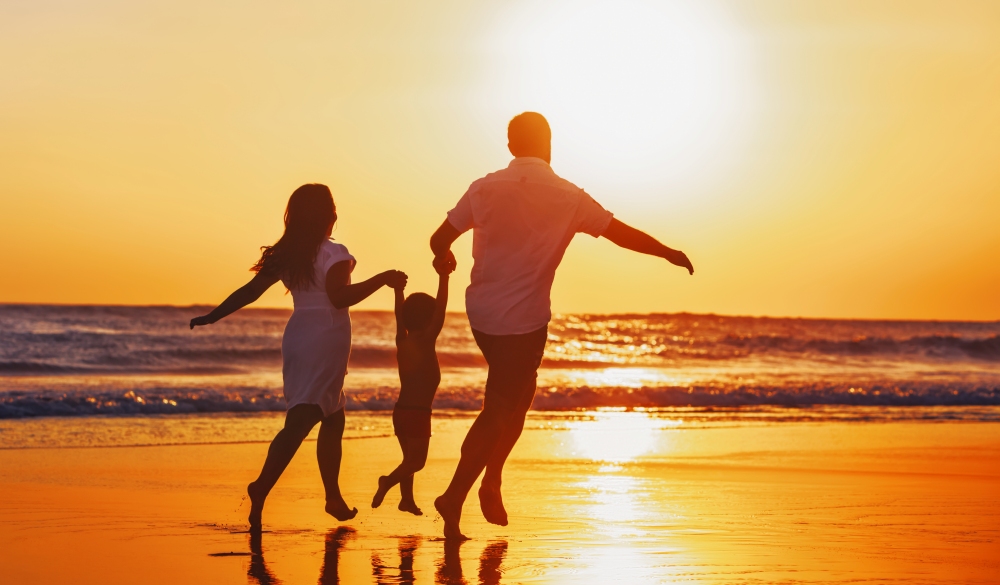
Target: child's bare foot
column 256, row 506
column 452, row 515
column 383, row 488
column 491, row 504
column 410, row 506
column 339, row 510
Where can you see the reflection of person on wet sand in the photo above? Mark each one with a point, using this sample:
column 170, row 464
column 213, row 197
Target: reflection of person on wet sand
column 258, row 570
column 449, row 571
column 490, row 562
column 407, row 546
column 329, row 574
column 419, row 319
column 522, row 219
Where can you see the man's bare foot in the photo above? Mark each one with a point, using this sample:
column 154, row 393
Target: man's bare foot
column 410, row 506
column 256, row 506
column 383, row 489
column 491, row 503
column 339, row 510
column 452, row 515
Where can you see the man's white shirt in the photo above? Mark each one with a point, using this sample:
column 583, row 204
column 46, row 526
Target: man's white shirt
column 522, row 219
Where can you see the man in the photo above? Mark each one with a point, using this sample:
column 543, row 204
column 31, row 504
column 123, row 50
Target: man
column 522, row 219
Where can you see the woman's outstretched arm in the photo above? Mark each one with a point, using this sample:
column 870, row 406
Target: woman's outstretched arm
column 242, row 297
column 344, row 295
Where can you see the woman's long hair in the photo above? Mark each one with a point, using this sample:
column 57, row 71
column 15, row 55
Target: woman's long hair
column 309, row 214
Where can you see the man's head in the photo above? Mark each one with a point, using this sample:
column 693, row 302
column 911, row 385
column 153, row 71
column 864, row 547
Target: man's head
column 418, row 310
column 528, row 134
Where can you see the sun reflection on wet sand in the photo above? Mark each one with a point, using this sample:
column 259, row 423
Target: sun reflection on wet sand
column 615, row 436
column 619, row 506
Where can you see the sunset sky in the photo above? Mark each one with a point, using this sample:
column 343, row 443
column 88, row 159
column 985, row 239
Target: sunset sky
column 827, row 158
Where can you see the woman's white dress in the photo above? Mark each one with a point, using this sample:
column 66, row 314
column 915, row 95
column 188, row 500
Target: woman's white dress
column 317, row 339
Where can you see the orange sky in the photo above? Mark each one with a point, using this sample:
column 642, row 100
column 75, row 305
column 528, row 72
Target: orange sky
column 834, row 158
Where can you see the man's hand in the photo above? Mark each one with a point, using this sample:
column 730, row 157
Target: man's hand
column 395, row 279
column 203, row 320
column 678, row 258
column 445, row 264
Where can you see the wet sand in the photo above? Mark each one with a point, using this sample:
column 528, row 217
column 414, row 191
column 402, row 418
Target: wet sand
column 619, row 498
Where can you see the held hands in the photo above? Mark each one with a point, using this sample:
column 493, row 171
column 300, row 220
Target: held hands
column 445, row 264
column 395, row 279
column 678, row 258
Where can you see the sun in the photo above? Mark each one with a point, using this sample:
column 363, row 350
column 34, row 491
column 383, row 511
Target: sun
column 639, row 93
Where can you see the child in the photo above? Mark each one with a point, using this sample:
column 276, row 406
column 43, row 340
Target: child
column 418, row 322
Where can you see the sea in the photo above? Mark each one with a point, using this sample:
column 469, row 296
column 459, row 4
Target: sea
column 125, row 375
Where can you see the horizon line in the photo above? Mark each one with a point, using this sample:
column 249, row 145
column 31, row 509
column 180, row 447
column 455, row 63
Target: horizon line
column 554, row 313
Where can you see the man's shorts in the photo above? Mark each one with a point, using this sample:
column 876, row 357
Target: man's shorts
column 513, row 367
column 410, row 421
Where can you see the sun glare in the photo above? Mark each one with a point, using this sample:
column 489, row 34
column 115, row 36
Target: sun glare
column 616, row 436
column 643, row 93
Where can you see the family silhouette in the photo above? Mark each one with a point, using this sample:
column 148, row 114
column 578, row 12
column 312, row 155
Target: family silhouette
column 522, row 218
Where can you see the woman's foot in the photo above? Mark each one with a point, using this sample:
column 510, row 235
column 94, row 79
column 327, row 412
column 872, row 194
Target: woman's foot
column 339, row 510
column 257, row 497
column 452, row 515
column 408, row 505
column 384, row 485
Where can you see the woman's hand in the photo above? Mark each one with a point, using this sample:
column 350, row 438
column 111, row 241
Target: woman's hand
column 203, row 320
column 395, row 279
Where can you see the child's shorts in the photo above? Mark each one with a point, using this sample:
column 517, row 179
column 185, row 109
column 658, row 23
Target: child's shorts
column 409, row 421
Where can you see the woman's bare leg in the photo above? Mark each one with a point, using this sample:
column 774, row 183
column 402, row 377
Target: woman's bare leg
column 299, row 420
column 329, row 452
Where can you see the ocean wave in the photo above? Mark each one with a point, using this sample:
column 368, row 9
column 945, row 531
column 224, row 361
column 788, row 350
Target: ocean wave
column 210, row 361
column 931, row 346
column 64, row 341
column 36, row 367
column 236, row 400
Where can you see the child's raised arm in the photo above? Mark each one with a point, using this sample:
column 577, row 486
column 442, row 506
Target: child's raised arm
column 400, row 328
column 444, row 269
column 240, row 298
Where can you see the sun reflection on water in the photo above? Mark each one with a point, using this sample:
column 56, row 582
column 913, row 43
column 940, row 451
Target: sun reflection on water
column 627, row 377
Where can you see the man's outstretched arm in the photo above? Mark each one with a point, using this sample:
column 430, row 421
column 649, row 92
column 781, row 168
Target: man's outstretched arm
column 441, row 243
column 630, row 238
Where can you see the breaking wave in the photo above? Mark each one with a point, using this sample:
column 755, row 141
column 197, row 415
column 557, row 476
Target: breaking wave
column 236, row 400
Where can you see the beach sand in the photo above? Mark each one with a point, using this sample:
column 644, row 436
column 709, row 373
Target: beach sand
column 610, row 497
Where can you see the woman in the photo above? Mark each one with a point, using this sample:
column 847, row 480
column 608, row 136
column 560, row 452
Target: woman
column 316, row 342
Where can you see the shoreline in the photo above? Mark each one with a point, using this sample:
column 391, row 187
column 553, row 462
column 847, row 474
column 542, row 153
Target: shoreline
column 259, row 427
